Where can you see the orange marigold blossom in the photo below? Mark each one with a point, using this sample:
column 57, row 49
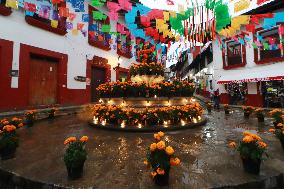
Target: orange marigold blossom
column 153, row 147
column 84, row 139
column 146, row 162
column 21, row 125
column 69, row 140
column 174, row 161
column 232, row 145
column 157, row 136
column 262, row 144
column 272, row 130
column 161, row 134
column 9, row 128
column 248, row 139
column 169, row 150
column 160, row 171
column 161, row 145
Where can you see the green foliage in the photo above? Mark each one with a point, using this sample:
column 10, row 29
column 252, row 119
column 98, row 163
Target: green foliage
column 159, row 159
column 9, row 140
column 75, row 154
column 250, row 150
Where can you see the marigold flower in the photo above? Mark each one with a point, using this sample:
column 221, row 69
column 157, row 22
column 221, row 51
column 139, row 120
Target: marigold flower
column 153, row 147
column 20, row 125
column 262, row 144
column 84, row 139
column 174, row 161
column 153, row 174
column 157, row 137
column 69, row 140
column 232, row 145
column 9, row 128
column 161, row 134
column 272, row 130
column 280, row 125
column 161, row 145
column 246, row 133
column 248, row 139
column 169, row 150
column 160, row 171
column 146, row 162
column 255, row 137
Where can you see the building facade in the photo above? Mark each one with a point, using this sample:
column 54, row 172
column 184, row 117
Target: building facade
column 43, row 65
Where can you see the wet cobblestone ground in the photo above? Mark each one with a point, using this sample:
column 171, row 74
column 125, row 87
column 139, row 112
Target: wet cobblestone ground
column 115, row 159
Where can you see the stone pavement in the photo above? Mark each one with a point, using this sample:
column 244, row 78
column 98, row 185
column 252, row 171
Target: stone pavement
column 115, row 159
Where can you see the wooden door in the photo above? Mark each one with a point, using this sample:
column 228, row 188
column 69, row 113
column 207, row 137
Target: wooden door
column 43, row 81
column 98, row 77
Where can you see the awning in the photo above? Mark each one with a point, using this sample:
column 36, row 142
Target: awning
column 251, row 75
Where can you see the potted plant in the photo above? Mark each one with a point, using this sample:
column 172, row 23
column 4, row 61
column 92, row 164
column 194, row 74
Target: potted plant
column 279, row 133
column 259, row 114
column 226, row 109
column 75, row 156
column 51, row 112
column 247, row 111
column 3, row 122
column 160, row 157
column 17, row 122
column 9, row 142
column 277, row 115
column 251, row 150
column 30, row 117
column 209, row 107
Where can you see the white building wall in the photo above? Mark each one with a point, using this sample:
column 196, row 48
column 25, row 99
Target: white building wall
column 15, row 28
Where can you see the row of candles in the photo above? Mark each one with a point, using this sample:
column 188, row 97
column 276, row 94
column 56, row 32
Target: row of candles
column 148, row 102
column 165, row 123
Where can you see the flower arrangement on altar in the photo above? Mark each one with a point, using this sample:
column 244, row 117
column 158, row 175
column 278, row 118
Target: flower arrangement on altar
column 279, row 133
column 277, row 115
column 30, row 117
column 147, row 69
column 75, row 156
column 251, row 149
column 9, row 141
column 131, row 89
column 165, row 115
column 247, row 111
column 259, row 112
column 160, row 157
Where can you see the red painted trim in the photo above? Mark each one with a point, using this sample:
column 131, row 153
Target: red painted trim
column 97, row 64
column 122, row 70
column 5, row 11
column 25, row 52
column 267, row 60
column 253, row 79
column 229, row 67
column 98, row 44
column 224, row 98
column 7, row 95
column 45, row 26
column 255, row 100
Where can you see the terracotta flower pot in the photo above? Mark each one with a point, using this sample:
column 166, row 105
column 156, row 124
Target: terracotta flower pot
column 251, row 165
column 75, row 172
column 7, row 153
column 162, row 180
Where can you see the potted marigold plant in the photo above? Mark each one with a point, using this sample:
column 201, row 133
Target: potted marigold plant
column 17, row 122
column 226, row 109
column 160, row 157
column 30, row 117
column 247, row 111
column 9, row 142
column 279, row 133
column 3, row 122
column 75, row 156
column 277, row 115
column 259, row 114
column 209, row 107
column 251, row 150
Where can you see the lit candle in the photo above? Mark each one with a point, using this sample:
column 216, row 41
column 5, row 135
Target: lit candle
column 199, row 118
column 139, row 125
column 96, row 120
column 155, row 96
column 103, row 122
column 194, row 120
column 122, row 124
column 182, row 122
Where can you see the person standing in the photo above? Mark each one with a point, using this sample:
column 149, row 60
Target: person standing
column 217, row 99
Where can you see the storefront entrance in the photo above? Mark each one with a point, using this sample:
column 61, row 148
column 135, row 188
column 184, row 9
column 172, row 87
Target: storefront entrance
column 237, row 93
column 273, row 93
